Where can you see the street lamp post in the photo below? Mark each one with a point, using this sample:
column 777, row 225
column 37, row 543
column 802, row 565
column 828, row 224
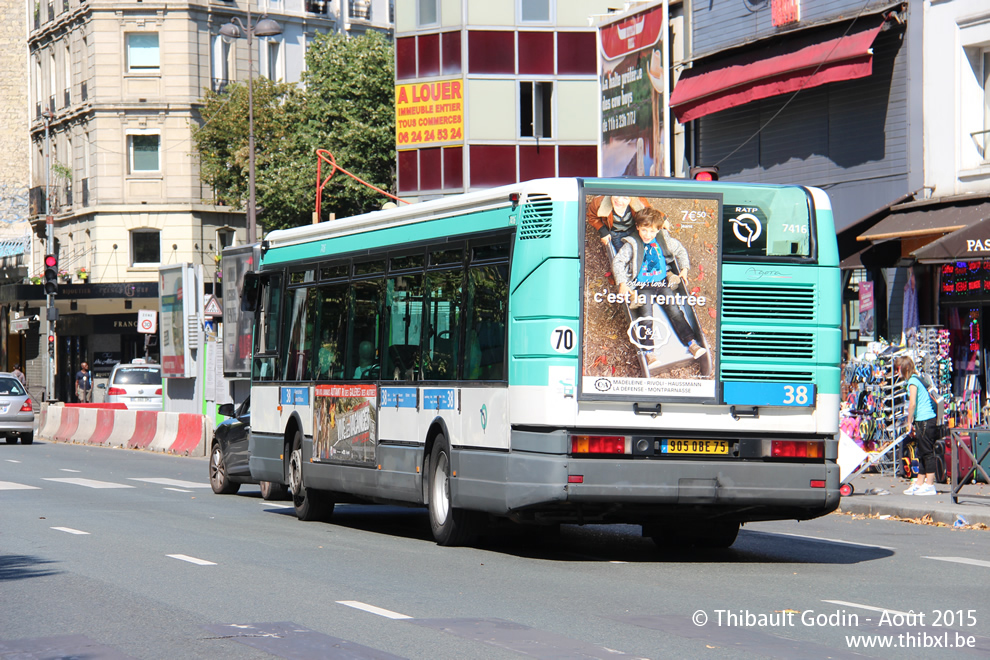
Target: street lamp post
column 265, row 27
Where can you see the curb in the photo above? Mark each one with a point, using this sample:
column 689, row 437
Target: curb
column 876, row 506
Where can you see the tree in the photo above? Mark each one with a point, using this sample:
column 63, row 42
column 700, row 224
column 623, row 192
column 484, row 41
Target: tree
column 345, row 104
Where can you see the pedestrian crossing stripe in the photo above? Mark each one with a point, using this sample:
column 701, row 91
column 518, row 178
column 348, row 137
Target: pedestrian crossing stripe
column 10, row 485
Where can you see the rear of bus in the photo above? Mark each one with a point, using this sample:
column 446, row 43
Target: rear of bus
column 692, row 445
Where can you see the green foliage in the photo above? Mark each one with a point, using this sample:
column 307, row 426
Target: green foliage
column 345, row 105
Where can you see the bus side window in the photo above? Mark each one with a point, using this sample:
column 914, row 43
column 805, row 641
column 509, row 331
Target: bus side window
column 488, row 293
column 299, row 312
column 266, row 335
column 443, row 290
column 332, row 333
column 404, row 299
column 365, row 323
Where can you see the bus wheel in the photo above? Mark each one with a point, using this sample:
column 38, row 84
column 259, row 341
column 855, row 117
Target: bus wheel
column 450, row 526
column 713, row 535
column 310, row 504
column 271, row 491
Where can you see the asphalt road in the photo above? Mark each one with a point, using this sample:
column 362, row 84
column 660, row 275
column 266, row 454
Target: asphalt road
column 110, row 553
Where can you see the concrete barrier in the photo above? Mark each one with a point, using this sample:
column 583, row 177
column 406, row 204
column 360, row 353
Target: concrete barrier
column 174, row 433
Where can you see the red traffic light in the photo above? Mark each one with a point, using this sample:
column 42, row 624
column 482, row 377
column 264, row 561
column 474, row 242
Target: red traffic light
column 705, row 173
column 51, row 261
column 51, row 339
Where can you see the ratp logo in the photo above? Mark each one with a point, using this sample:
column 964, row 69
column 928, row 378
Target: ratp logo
column 747, row 228
column 484, row 417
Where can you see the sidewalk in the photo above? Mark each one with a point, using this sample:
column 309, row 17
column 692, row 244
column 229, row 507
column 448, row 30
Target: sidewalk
column 974, row 500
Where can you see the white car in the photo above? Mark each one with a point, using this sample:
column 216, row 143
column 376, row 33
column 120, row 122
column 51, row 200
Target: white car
column 137, row 385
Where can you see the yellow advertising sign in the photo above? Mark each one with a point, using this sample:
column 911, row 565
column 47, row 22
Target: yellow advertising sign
column 429, row 112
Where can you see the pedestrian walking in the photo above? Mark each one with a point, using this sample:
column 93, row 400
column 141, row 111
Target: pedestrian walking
column 921, row 412
column 19, row 375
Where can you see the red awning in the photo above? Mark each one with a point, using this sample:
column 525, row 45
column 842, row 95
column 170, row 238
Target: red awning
column 803, row 62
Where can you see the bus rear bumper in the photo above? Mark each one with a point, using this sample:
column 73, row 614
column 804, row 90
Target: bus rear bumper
column 554, row 487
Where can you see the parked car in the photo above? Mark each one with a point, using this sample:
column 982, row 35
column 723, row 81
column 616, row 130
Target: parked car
column 16, row 414
column 138, row 385
column 229, row 455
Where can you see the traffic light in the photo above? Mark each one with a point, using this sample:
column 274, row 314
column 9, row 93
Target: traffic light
column 51, row 346
column 705, row 173
column 51, row 274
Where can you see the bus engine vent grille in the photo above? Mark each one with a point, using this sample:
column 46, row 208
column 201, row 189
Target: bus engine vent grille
column 784, row 303
column 748, row 345
column 537, row 217
column 764, row 375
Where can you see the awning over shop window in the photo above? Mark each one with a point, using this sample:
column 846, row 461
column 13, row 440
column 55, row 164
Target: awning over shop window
column 966, row 244
column 929, row 217
column 801, row 62
column 10, row 247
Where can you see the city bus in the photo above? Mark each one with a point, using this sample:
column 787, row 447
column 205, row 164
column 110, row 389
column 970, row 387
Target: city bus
column 491, row 356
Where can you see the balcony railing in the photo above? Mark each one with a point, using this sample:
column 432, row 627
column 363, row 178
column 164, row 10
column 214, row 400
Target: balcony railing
column 65, row 5
column 360, row 9
column 219, row 85
column 67, row 98
column 83, row 91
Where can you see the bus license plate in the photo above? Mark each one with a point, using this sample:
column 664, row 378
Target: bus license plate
column 694, row 447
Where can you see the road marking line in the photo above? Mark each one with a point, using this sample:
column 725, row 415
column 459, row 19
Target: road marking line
column 68, row 470
column 89, row 483
column 10, row 485
column 178, row 490
column 193, row 560
column 69, row 530
column 275, row 505
column 358, row 605
column 865, row 607
column 962, row 560
column 823, row 540
column 162, row 481
column 10, row 460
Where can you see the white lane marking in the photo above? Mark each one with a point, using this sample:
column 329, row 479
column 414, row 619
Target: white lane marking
column 178, row 490
column 275, row 505
column 822, row 540
column 89, row 483
column 69, row 530
column 865, row 607
column 10, row 485
column 358, row 605
column 193, row 560
column 68, row 470
column 10, row 460
column 162, row 481
column 963, row 560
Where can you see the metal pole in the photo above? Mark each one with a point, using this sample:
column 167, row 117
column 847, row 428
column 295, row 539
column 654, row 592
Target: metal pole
column 50, row 249
column 252, row 227
column 667, row 132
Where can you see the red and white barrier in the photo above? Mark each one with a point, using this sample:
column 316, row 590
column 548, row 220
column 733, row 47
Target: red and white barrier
column 174, row 433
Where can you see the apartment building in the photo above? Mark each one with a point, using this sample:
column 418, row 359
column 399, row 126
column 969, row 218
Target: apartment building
column 114, row 93
column 515, row 86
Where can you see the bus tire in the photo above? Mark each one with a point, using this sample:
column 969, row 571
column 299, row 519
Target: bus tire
column 711, row 535
column 309, row 503
column 451, row 526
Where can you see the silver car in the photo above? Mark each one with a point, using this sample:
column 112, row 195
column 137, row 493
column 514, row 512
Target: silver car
column 137, row 385
column 16, row 414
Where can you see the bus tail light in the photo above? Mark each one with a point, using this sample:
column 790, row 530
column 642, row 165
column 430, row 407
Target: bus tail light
column 116, row 391
column 575, row 478
column 26, row 406
column 598, row 444
column 817, row 483
column 797, row 449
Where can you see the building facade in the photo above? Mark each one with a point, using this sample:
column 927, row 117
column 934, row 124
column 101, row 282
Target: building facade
column 114, row 93
column 522, row 92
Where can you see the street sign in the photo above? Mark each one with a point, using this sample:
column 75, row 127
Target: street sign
column 147, row 321
column 212, row 307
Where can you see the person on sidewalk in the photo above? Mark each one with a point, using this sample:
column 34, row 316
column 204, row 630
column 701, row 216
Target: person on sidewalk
column 921, row 412
column 84, row 384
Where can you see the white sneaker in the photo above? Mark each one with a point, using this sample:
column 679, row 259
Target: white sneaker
column 927, row 489
column 912, row 490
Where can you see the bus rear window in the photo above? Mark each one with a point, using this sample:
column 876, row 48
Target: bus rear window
column 767, row 222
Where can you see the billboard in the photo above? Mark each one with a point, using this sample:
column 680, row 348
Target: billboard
column 650, row 278
column 632, row 70
column 345, row 423
column 237, row 326
column 181, row 304
column 426, row 113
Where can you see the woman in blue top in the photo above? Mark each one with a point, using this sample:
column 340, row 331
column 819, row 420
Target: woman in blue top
column 922, row 413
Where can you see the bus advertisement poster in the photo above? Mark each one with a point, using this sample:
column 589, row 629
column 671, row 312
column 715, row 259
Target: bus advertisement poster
column 651, row 291
column 346, row 423
column 173, row 340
